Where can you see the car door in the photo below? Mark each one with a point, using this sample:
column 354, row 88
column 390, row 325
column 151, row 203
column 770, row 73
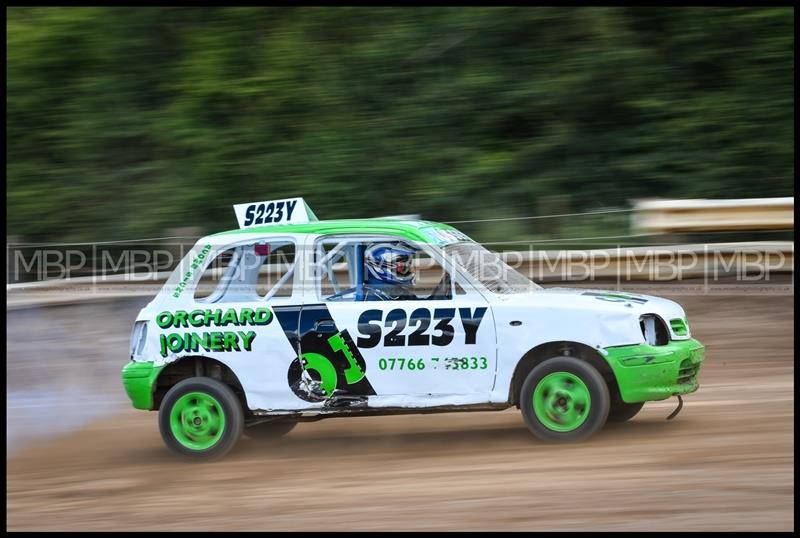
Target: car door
column 437, row 348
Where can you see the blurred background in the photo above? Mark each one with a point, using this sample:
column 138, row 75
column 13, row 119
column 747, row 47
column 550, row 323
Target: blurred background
column 126, row 122
column 527, row 128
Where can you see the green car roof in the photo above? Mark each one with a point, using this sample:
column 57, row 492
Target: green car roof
column 408, row 229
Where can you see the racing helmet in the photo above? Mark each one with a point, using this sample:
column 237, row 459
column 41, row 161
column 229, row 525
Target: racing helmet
column 390, row 263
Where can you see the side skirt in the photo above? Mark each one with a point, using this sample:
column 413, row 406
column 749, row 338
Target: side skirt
column 319, row 414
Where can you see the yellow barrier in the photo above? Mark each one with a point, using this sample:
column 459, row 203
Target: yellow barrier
column 670, row 216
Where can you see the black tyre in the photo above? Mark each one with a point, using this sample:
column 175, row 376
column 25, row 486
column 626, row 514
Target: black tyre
column 201, row 418
column 269, row 430
column 564, row 400
column 621, row 411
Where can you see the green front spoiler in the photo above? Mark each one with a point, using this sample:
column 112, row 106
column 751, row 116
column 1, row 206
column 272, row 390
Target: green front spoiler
column 646, row 372
column 139, row 380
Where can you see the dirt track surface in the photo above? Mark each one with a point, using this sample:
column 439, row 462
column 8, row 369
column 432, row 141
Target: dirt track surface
column 725, row 463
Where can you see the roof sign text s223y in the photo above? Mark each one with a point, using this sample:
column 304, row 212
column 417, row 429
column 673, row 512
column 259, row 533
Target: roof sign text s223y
column 286, row 211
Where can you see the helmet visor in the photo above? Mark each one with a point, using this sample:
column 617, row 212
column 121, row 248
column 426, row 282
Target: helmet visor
column 402, row 266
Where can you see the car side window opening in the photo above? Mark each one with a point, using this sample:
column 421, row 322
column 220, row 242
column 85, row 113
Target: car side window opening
column 253, row 271
column 380, row 269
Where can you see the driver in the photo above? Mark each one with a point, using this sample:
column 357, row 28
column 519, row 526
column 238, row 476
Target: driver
column 390, row 272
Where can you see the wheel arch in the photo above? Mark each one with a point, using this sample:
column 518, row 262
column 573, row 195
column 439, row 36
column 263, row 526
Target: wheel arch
column 196, row 366
column 562, row 348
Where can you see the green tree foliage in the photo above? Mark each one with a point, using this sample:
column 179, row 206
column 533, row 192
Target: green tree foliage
column 124, row 122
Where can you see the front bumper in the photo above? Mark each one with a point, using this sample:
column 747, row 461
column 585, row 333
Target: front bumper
column 646, row 372
column 139, row 380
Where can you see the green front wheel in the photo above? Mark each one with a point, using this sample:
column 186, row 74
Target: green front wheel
column 564, row 399
column 201, row 418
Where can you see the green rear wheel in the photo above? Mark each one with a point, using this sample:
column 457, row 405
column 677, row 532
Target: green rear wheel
column 564, row 399
column 201, row 418
column 197, row 420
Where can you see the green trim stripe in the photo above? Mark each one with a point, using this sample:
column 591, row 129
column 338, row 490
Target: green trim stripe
column 413, row 230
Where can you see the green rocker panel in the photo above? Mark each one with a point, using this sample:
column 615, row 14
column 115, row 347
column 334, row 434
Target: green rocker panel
column 646, row 372
column 139, row 380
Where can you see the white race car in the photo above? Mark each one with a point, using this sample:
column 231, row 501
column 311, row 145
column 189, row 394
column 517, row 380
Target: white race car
column 283, row 320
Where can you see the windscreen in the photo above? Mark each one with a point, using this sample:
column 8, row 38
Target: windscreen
column 488, row 268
